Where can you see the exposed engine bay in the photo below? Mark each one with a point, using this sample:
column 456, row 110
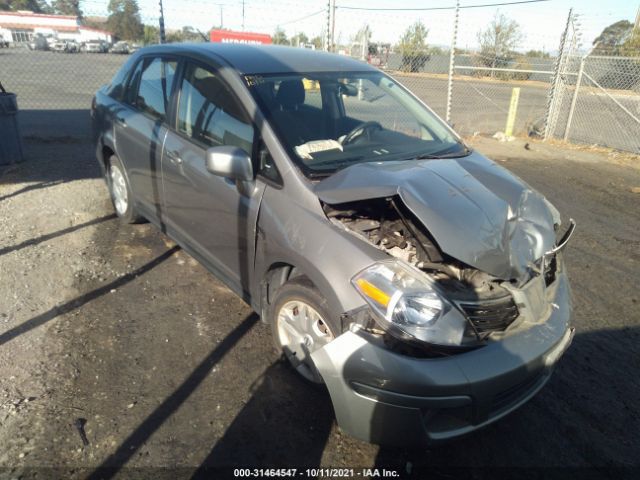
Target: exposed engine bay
column 387, row 224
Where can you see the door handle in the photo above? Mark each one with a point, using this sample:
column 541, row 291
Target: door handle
column 174, row 157
column 121, row 121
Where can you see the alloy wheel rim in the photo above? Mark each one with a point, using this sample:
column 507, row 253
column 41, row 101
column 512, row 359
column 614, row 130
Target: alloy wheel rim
column 302, row 331
column 119, row 190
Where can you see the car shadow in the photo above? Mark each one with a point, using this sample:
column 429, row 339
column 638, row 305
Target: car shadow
column 57, row 148
column 581, row 424
column 72, row 125
column 78, row 302
column 127, row 449
column 286, row 423
column 59, row 233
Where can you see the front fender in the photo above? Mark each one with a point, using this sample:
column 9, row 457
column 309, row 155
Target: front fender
column 300, row 235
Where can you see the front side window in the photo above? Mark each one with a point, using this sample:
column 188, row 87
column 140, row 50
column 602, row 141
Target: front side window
column 153, row 86
column 331, row 120
column 210, row 114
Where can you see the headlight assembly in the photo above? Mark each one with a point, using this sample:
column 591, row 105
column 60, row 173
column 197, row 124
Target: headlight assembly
column 405, row 303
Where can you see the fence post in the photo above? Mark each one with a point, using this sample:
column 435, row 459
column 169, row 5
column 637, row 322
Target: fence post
column 574, row 99
column 452, row 56
column 555, row 81
column 513, row 109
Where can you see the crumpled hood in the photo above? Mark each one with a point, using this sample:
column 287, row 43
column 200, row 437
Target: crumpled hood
column 477, row 211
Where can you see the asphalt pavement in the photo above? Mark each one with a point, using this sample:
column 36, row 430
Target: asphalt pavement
column 47, row 81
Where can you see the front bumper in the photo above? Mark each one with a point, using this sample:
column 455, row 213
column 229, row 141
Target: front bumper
column 394, row 400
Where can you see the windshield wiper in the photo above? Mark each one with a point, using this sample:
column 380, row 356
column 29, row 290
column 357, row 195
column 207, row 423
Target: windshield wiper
column 433, row 156
column 338, row 161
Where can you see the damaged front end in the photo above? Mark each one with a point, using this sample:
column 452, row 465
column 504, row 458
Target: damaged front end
column 465, row 319
column 470, row 242
column 482, row 303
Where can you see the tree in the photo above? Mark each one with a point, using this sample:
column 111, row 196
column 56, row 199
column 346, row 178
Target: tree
column 612, row 38
column 413, row 47
column 150, row 34
column 124, row 19
column 279, row 37
column 631, row 48
column 299, row 39
column 37, row 6
column 317, row 42
column 187, row 34
column 67, row 7
column 190, row 34
column 498, row 41
column 537, row 54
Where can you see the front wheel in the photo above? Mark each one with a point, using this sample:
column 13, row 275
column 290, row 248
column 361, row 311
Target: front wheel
column 301, row 324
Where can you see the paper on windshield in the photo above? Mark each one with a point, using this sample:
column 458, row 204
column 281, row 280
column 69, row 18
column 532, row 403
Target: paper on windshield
column 307, row 149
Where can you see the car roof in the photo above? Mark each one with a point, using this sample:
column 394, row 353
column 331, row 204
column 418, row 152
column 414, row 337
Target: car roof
column 266, row 59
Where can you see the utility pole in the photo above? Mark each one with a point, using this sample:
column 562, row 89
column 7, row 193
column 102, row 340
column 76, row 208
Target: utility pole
column 327, row 39
column 332, row 46
column 452, row 55
column 243, row 15
column 161, row 21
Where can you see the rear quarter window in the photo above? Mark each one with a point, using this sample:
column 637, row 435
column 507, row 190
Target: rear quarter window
column 116, row 88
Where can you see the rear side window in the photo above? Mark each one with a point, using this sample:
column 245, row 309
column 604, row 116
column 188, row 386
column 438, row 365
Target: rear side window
column 116, row 88
column 152, row 82
column 209, row 113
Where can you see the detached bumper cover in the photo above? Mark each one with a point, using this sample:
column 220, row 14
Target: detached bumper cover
column 390, row 399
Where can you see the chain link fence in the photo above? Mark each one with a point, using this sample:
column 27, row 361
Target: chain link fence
column 600, row 102
column 553, row 90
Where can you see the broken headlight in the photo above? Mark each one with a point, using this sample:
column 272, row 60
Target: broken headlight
column 406, row 303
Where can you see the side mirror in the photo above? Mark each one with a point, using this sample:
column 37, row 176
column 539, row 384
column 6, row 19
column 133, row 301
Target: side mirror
column 230, row 162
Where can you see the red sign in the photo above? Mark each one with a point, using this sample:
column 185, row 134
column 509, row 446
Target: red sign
column 229, row 36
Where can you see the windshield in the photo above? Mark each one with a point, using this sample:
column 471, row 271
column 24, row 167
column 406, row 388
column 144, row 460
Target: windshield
column 329, row 121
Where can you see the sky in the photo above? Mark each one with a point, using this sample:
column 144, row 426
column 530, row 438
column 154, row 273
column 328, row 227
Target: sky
column 541, row 23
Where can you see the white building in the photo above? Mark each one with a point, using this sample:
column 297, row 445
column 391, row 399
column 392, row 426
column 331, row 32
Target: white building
column 21, row 26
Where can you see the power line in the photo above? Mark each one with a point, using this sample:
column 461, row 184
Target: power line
column 302, row 18
column 439, row 8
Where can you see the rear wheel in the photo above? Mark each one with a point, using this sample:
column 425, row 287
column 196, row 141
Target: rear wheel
column 301, row 324
column 121, row 192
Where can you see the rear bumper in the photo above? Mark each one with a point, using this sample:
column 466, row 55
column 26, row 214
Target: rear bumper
column 395, row 400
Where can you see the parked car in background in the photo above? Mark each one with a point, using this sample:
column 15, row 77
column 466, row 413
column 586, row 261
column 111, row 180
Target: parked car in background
column 420, row 282
column 120, row 47
column 94, row 46
column 72, row 46
column 38, row 42
column 3, row 43
column 66, row 46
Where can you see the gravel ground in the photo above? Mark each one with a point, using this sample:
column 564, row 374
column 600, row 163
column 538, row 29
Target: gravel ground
column 116, row 327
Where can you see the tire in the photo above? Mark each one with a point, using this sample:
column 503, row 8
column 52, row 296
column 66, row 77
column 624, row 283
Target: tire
column 120, row 192
column 301, row 323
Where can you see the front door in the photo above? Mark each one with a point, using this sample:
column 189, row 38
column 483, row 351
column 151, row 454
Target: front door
column 209, row 213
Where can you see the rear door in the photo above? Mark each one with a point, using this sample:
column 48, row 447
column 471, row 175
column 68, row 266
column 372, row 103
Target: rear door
column 211, row 215
column 140, row 129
